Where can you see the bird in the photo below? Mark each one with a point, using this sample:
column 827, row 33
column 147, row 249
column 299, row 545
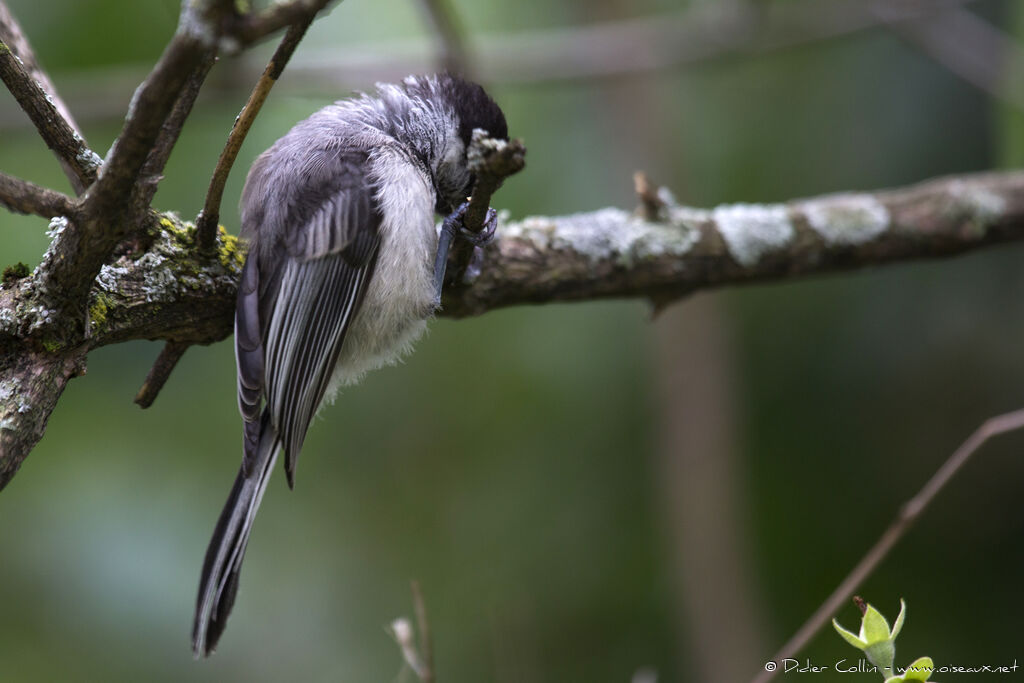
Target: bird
column 344, row 268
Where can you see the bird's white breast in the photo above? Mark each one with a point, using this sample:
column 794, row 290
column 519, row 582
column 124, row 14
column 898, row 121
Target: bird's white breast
column 399, row 297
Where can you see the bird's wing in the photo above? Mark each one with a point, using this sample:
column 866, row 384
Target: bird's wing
column 295, row 306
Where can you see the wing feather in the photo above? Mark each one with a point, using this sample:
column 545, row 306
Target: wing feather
column 319, row 293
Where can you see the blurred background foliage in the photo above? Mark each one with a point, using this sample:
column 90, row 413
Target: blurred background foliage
column 582, row 492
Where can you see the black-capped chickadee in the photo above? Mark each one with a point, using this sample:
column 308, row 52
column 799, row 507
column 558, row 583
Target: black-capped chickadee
column 344, row 268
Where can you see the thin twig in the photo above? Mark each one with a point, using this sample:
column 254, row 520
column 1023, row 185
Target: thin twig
column 401, row 631
column 206, row 222
column 21, row 196
column 58, row 134
column 158, row 374
column 908, row 514
column 446, row 25
column 423, row 624
column 12, row 35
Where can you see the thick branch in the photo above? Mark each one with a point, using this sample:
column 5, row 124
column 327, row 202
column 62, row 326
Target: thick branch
column 174, row 292
column 21, row 196
column 30, row 384
column 609, row 253
column 77, row 254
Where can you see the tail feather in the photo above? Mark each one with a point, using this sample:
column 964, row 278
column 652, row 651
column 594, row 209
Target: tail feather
column 219, row 582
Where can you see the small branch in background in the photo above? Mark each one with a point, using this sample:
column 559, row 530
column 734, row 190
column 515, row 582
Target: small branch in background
column 426, row 643
column 401, row 630
column 158, row 374
column 21, row 196
column 252, row 28
column 966, row 45
column 672, row 40
column 908, row 514
column 209, row 217
column 446, row 26
column 12, row 35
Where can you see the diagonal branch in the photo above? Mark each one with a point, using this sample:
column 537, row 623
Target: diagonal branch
column 21, row 196
column 55, row 130
column 908, row 514
column 12, row 35
column 967, row 45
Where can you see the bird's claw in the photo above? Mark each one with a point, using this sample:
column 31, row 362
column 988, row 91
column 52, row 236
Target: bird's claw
column 451, row 226
column 486, row 234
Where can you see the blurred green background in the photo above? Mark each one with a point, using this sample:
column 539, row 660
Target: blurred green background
column 581, row 491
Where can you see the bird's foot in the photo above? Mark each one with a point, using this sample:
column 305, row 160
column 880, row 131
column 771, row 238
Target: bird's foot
column 451, row 227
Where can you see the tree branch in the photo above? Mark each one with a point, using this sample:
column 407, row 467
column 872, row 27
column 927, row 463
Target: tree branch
column 78, row 252
column 965, row 44
column 210, row 215
column 58, row 134
column 611, row 253
column 21, row 196
column 12, row 35
column 172, row 291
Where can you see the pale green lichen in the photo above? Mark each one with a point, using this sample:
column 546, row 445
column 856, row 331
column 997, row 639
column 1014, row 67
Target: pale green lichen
column 752, row 231
column 98, row 310
column 846, row 219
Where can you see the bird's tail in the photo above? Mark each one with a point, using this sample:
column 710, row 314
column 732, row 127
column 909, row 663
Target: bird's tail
column 219, row 581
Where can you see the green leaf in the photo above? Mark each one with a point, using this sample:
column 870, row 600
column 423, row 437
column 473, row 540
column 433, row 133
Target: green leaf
column 919, row 670
column 849, row 636
column 898, row 626
column 874, row 628
column 895, row 679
